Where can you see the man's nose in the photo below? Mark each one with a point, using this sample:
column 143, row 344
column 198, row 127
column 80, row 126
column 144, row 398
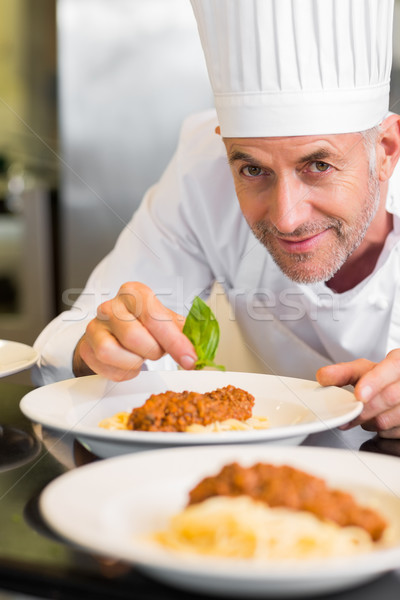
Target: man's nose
column 288, row 204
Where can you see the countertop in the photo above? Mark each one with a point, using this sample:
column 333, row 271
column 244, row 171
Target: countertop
column 35, row 562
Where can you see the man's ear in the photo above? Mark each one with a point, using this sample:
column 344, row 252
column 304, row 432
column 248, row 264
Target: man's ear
column 388, row 147
column 218, row 130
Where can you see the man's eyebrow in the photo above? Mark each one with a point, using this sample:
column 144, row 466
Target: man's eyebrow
column 320, row 154
column 236, row 155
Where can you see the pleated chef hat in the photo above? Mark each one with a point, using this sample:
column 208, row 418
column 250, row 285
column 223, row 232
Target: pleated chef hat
column 297, row 67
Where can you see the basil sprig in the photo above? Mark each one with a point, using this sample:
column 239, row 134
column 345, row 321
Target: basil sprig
column 202, row 329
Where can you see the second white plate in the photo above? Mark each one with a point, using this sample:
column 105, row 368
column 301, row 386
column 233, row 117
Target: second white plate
column 111, row 508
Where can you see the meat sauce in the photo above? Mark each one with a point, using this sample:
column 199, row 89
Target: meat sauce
column 175, row 411
column 291, row 488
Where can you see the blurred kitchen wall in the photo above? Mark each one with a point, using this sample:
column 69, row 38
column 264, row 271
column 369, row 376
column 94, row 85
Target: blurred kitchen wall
column 28, row 166
column 28, row 63
column 129, row 72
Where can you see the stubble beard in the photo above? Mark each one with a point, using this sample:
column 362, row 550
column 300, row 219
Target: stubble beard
column 313, row 267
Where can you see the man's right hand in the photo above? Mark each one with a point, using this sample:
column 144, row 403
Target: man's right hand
column 129, row 329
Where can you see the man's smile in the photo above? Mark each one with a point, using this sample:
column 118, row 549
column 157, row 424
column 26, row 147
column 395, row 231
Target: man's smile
column 301, row 245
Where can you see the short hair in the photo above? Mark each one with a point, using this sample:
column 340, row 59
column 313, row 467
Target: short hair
column 370, row 137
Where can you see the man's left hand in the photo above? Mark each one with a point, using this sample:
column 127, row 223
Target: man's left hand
column 377, row 385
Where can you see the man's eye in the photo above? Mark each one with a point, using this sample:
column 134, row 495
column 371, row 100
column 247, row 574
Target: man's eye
column 250, row 171
column 319, row 167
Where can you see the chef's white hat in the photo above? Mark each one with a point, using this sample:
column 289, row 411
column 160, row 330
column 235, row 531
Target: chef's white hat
column 297, row 67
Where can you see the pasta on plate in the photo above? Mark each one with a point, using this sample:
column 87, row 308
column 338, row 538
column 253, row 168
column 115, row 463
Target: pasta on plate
column 268, row 512
column 244, row 528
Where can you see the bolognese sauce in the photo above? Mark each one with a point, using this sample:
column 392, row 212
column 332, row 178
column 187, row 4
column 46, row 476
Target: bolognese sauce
column 176, row 411
column 291, row 488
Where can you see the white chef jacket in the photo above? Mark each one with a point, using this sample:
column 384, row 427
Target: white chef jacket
column 189, row 232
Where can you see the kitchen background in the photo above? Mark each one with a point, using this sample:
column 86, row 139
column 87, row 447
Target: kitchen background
column 92, row 95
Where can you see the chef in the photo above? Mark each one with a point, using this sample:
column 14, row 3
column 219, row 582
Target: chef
column 287, row 194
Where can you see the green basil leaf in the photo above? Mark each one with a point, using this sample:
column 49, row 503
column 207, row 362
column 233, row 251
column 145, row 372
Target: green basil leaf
column 202, row 329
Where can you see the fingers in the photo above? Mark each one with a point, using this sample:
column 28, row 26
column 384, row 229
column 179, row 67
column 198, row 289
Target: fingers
column 391, row 434
column 115, row 317
column 129, row 329
column 386, row 423
column 344, row 373
column 377, row 385
column 382, row 412
column 381, row 379
column 103, row 354
column 379, row 389
column 163, row 325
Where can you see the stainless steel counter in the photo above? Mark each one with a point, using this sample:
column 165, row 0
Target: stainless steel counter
column 33, row 561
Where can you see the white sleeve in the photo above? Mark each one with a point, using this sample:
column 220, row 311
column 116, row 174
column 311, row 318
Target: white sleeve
column 160, row 247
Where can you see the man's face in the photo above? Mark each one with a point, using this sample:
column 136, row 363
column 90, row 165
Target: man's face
column 308, row 199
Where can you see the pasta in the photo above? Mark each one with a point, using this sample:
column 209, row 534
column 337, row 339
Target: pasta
column 119, row 421
column 254, row 422
column 243, row 528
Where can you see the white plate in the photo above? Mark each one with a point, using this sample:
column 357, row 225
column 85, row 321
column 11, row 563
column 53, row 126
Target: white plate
column 109, row 507
column 294, row 407
column 15, row 357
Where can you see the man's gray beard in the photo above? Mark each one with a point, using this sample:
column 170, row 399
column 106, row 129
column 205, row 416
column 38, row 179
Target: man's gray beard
column 332, row 259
